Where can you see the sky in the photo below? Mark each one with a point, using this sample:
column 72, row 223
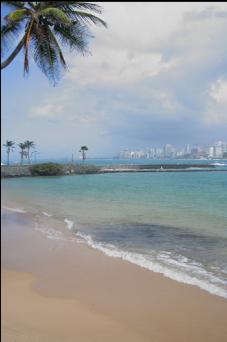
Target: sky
column 156, row 75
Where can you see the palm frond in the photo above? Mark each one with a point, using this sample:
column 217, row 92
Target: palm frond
column 26, row 45
column 61, row 57
column 17, row 15
column 56, row 14
column 29, row 143
column 9, row 32
column 46, row 54
column 9, row 143
column 22, row 146
column 74, row 36
column 85, row 17
column 32, row 4
column 87, row 6
column 73, row 5
column 75, row 11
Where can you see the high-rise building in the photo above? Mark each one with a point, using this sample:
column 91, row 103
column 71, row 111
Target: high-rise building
column 168, row 150
column 218, row 151
column 187, row 149
column 211, row 152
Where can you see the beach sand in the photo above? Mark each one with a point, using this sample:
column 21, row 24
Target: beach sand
column 61, row 290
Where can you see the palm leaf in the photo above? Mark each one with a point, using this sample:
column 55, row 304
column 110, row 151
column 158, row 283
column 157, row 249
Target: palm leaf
column 56, row 14
column 46, row 54
column 85, row 17
column 75, row 11
column 87, row 6
column 26, row 45
column 74, row 36
column 9, row 143
column 72, row 5
column 17, row 15
column 32, row 4
column 9, row 32
column 55, row 42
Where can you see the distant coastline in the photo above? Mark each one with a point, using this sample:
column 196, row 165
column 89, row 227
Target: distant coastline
column 74, row 169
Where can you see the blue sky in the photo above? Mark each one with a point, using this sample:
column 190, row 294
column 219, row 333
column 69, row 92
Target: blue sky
column 157, row 75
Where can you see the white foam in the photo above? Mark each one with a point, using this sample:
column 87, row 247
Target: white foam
column 145, row 262
column 16, row 210
column 219, row 164
column 53, row 234
column 46, row 214
column 194, row 168
column 69, row 223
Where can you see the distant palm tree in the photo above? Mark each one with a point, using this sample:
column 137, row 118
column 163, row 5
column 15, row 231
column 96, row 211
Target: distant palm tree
column 43, row 26
column 83, row 150
column 10, row 146
column 23, row 153
column 28, row 146
column 35, row 155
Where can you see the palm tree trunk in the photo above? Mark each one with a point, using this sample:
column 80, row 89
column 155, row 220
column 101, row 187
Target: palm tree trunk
column 8, row 157
column 13, row 54
column 29, row 161
column 22, row 157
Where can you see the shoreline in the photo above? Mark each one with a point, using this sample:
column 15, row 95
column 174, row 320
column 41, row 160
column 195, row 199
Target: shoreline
column 14, row 171
column 65, row 231
column 129, row 301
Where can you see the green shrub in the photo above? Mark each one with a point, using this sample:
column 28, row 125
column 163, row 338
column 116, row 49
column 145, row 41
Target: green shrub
column 46, row 169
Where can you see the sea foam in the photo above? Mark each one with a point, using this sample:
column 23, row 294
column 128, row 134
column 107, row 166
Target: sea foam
column 16, row 210
column 46, row 214
column 69, row 223
column 219, row 164
column 155, row 266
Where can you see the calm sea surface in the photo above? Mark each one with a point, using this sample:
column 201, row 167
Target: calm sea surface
column 172, row 223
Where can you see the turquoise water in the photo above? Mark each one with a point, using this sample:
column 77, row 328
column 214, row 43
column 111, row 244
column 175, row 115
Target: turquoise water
column 173, row 223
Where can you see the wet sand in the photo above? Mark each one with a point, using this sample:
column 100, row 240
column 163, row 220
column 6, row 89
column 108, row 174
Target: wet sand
column 61, row 290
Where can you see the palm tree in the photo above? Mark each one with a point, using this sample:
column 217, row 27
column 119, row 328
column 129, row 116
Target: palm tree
column 45, row 26
column 82, row 150
column 35, row 155
column 10, row 146
column 28, row 145
column 23, row 153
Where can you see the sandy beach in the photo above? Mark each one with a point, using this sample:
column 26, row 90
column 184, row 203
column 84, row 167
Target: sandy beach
column 61, row 290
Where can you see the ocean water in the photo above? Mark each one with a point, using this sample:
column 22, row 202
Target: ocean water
column 172, row 223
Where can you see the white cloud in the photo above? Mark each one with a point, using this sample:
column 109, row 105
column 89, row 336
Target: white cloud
column 216, row 113
column 218, row 91
column 48, row 111
column 146, row 39
column 119, row 67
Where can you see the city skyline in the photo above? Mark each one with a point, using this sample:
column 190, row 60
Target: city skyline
column 191, row 151
column 217, row 150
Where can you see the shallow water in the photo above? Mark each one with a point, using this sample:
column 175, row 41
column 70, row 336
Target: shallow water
column 173, row 223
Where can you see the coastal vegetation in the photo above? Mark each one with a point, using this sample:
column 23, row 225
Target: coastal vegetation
column 44, row 27
column 47, row 169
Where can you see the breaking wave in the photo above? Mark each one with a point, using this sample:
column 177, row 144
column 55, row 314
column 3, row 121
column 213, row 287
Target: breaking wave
column 182, row 270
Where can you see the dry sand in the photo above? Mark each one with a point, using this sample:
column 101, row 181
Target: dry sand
column 56, row 290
